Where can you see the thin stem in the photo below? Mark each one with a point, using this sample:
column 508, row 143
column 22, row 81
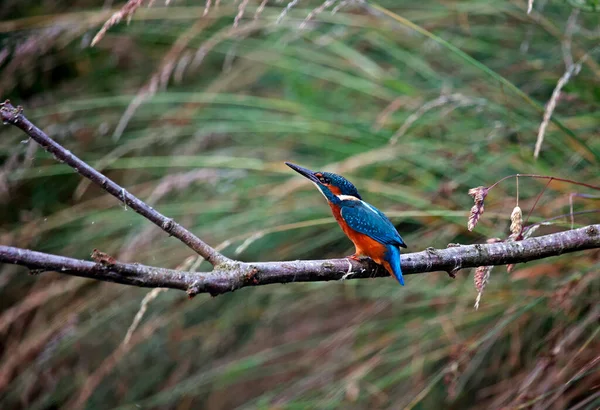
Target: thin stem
column 536, row 201
column 578, row 195
column 554, row 218
column 518, row 191
column 570, row 181
column 571, row 210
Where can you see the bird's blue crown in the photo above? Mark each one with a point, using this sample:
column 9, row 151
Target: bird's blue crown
column 346, row 187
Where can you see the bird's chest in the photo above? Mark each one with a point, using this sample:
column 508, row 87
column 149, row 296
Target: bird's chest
column 364, row 244
column 337, row 214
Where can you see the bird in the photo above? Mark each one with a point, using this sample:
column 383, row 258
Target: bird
column 372, row 233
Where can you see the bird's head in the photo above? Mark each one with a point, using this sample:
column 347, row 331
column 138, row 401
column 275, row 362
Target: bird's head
column 331, row 185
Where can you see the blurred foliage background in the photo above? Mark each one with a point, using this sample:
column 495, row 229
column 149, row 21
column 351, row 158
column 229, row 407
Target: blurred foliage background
column 415, row 102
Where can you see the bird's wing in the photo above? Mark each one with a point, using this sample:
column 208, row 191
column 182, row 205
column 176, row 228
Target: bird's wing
column 368, row 220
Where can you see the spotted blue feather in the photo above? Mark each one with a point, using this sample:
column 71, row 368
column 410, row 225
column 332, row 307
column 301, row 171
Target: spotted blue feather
column 368, row 220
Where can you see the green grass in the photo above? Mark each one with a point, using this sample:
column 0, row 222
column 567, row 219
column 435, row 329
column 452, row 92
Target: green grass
column 331, row 97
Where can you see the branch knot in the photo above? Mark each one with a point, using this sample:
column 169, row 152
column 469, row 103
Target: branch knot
column 10, row 114
column 168, row 225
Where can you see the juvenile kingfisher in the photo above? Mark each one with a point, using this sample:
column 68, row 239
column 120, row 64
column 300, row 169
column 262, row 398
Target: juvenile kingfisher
column 367, row 227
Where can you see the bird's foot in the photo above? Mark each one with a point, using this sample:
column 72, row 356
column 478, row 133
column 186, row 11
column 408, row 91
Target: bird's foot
column 353, row 257
column 347, row 275
column 356, row 257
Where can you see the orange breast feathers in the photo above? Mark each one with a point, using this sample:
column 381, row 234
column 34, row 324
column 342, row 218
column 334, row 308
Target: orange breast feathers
column 365, row 245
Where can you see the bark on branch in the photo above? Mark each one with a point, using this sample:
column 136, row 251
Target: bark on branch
column 229, row 275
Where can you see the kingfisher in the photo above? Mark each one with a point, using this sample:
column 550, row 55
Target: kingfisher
column 372, row 233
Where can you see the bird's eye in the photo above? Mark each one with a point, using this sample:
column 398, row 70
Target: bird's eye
column 323, row 179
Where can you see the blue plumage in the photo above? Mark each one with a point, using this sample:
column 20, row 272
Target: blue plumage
column 346, row 187
column 369, row 229
column 367, row 219
column 370, row 221
column 393, row 258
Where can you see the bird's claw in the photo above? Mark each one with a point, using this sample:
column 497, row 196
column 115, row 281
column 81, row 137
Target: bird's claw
column 347, row 275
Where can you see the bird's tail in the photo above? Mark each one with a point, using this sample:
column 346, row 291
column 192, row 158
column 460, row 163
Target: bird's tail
column 393, row 259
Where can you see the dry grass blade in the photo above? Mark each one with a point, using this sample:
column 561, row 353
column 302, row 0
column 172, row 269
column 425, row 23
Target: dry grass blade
column 571, row 71
column 316, row 11
column 111, row 361
column 260, row 9
column 125, row 12
column 150, row 296
column 568, row 40
column 240, row 12
column 35, row 300
column 330, row 98
column 343, row 4
column 458, row 100
column 286, row 10
column 172, row 59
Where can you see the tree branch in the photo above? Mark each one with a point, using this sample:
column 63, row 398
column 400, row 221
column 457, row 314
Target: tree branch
column 228, row 277
column 11, row 115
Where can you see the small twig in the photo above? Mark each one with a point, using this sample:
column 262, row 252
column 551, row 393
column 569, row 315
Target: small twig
column 537, row 200
column 535, row 176
column 578, row 195
column 518, row 192
column 530, row 230
column 14, row 116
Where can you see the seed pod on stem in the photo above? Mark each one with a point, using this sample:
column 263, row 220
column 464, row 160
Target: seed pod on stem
column 478, row 195
column 481, row 278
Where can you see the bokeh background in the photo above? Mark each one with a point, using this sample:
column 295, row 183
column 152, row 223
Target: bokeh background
column 415, row 102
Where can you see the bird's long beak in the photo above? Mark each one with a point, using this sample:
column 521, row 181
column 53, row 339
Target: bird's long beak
column 304, row 172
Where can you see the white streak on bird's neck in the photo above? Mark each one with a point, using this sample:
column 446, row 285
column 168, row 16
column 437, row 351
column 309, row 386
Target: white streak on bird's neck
column 347, row 198
column 353, row 198
column 315, row 184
